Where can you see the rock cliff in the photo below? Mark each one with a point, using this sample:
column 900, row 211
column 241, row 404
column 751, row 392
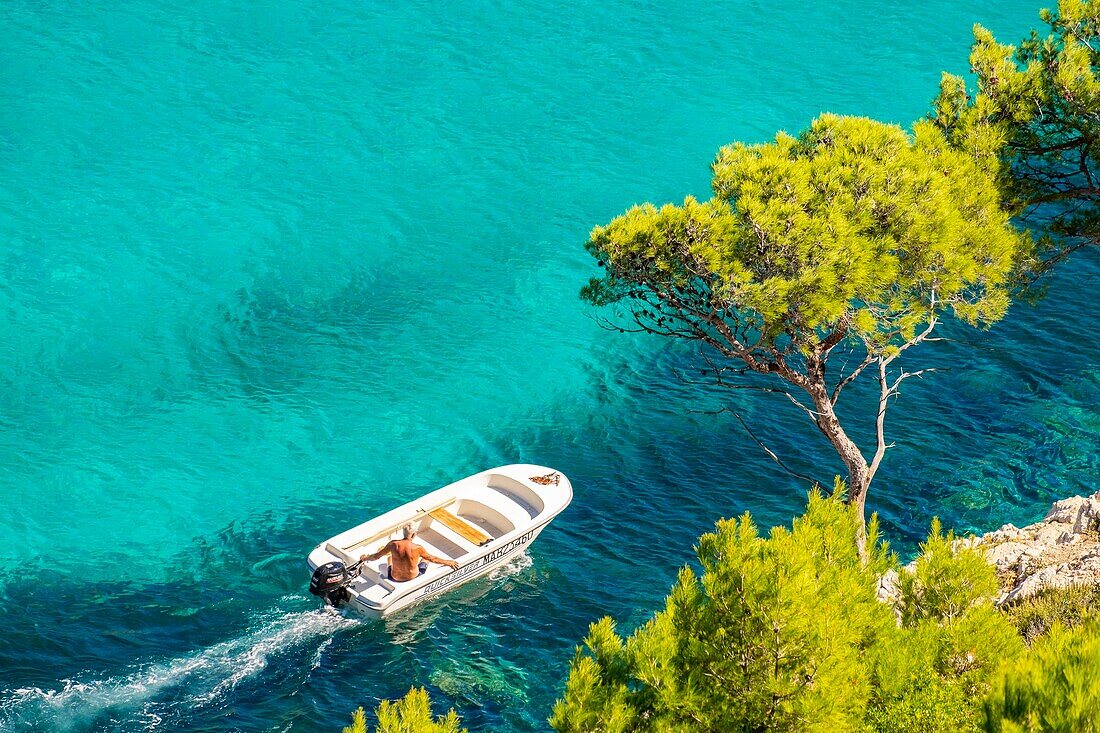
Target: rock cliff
column 1061, row 550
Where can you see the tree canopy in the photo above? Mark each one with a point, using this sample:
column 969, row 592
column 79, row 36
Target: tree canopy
column 1036, row 110
column 853, row 236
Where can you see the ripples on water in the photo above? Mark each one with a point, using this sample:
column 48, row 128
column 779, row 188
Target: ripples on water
column 268, row 272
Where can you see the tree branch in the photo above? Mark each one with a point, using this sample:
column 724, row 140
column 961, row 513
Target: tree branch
column 886, row 391
column 765, row 448
column 867, row 361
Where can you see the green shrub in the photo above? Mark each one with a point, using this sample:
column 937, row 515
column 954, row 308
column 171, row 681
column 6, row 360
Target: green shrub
column 358, row 723
column 785, row 633
column 1054, row 688
column 410, row 714
column 771, row 637
column 924, row 704
column 946, row 580
column 927, row 677
column 1034, row 616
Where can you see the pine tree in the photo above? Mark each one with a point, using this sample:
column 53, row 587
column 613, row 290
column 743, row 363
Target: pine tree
column 1055, row 688
column 410, row 714
column 770, row 638
column 1033, row 112
column 786, row 633
column 850, row 241
column 928, row 676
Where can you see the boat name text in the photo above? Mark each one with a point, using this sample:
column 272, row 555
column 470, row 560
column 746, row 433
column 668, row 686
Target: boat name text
column 481, row 562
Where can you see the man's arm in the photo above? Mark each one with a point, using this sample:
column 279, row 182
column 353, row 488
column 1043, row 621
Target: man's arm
column 438, row 560
column 375, row 555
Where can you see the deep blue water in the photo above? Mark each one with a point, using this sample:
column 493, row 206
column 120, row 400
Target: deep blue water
column 267, row 271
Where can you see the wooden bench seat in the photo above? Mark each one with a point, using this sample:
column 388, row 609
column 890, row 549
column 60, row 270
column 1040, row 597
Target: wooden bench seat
column 463, row 528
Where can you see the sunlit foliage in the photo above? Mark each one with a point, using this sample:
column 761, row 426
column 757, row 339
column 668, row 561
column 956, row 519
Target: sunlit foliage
column 1034, row 111
column 1055, row 688
column 785, row 633
column 410, row 714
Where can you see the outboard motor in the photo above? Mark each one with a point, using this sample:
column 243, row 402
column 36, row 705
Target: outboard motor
column 330, row 581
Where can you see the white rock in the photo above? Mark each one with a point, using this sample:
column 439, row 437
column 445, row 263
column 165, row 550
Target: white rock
column 1049, row 534
column 1062, row 550
column 1067, row 510
column 1007, row 533
column 1006, row 555
column 888, row 590
column 1027, row 562
column 1089, row 519
column 1029, row 586
column 1080, row 571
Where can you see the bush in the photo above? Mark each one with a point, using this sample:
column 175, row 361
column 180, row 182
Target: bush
column 946, row 580
column 785, row 633
column 771, row 637
column 928, row 675
column 410, row 714
column 1054, row 688
column 1035, row 616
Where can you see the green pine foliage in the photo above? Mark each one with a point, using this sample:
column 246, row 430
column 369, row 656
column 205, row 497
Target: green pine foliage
column 854, row 221
column 785, row 633
column 946, row 581
column 358, row 722
column 410, row 714
column 910, row 690
column 1034, row 112
column 1055, row 688
column 849, row 241
column 950, row 641
column 770, row 637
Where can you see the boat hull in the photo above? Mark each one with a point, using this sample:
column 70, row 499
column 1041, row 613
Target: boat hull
column 472, row 570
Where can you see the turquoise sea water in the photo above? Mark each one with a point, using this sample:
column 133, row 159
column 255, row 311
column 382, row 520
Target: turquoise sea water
column 267, row 271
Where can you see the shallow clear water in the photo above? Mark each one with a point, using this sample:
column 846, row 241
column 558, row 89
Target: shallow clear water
column 267, row 272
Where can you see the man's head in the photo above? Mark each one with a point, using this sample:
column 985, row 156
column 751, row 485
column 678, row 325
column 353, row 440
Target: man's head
column 407, row 531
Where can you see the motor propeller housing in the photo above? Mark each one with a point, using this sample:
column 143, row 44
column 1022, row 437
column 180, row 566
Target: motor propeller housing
column 330, row 582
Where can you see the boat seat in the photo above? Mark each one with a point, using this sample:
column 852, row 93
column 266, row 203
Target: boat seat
column 463, row 528
column 449, row 535
column 376, row 575
column 341, row 553
column 518, row 517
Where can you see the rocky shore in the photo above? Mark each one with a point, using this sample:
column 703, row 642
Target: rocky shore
column 1061, row 550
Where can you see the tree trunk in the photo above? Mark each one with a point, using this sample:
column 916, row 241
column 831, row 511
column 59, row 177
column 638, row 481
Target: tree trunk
column 859, row 473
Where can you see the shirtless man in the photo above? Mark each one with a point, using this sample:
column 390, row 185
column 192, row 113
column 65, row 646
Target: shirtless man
column 407, row 559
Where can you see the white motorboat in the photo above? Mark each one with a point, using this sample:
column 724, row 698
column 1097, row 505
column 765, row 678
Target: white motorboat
column 479, row 522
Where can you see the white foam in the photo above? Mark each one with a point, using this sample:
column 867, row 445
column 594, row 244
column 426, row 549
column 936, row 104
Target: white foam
column 517, row 564
column 316, row 663
column 209, row 673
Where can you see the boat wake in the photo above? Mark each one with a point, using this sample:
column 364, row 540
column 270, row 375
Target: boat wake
column 156, row 691
column 516, row 565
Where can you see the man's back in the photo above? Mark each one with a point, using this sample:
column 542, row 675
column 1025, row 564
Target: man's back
column 404, row 555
